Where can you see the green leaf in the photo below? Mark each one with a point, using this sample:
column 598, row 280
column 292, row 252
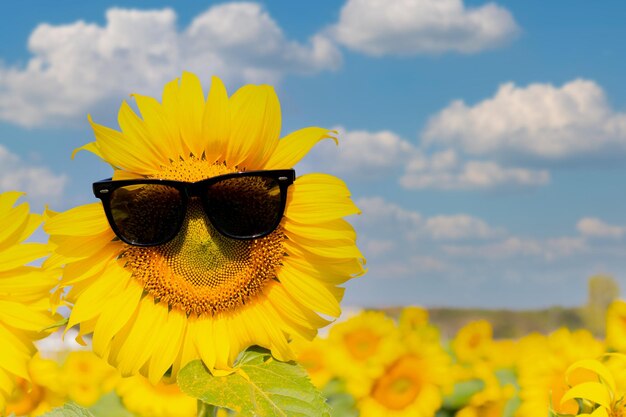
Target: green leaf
column 68, row 410
column 341, row 403
column 511, row 407
column 260, row 386
column 461, row 393
column 110, row 405
column 56, row 325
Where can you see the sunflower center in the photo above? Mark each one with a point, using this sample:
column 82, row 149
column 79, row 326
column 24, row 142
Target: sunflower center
column 362, row 343
column 201, row 271
column 400, row 385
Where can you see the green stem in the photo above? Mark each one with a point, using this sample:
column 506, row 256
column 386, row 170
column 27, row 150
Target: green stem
column 206, row 410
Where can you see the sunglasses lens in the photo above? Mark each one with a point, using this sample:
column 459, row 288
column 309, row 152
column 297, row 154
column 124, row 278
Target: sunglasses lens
column 246, row 206
column 146, row 214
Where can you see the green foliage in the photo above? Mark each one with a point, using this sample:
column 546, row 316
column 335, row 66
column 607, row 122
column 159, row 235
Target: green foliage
column 461, row 393
column 69, row 410
column 341, row 403
column 260, row 386
column 110, row 405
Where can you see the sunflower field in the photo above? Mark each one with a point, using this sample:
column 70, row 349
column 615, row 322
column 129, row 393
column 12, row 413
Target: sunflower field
column 206, row 280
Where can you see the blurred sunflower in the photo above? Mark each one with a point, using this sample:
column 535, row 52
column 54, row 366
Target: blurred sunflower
column 143, row 399
column 473, row 341
column 411, row 385
column 361, row 347
column 543, row 365
column 86, row 377
column 492, row 400
column 616, row 326
column 24, row 292
column 41, row 392
column 203, row 294
column 313, row 356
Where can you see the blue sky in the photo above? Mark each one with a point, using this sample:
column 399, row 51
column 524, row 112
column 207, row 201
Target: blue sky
column 484, row 142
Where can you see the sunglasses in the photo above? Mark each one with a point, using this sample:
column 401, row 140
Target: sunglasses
column 150, row 212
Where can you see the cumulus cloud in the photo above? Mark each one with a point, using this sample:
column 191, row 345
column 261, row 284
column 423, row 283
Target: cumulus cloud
column 363, row 154
column 593, row 227
column 380, row 214
column 78, row 65
column 379, row 27
column 447, row 171
column 460, row 226
column 39, row 183
column 513, row 246
column 539, row 121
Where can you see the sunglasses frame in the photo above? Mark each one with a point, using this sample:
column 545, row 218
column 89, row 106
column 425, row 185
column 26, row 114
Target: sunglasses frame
column 104, row 189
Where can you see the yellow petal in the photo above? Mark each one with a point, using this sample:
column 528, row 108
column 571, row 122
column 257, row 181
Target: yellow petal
column 20, row 255
column 138, row 344
column 332, row 273
column 255, row 126
column 338, row 229
column 596, row 367
column 190, row 118
column 14, row 354
column 592, row 391
column 8, row 199
column 221, row 343
column 95, row 297
column 309, row 292
column 327, row 248
column 167, row 346
column 216, row 121
column 12, row 224
column 172, row 109
column 114, row 316
column 318, row 198
column 160, row 129
column 84, row 220
column 293, row 147
column 202, row 331
column 26, row 282
column 137, row 134
column 20, row 316
column 92, row 147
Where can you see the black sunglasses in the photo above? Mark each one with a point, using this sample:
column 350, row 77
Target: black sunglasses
column 240, row 205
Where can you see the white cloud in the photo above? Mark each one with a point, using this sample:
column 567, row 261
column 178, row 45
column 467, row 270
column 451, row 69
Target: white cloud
column 380, row 27
column 540, row 121
column 78, row 65
column 460, row 226
column 380, row 215
column 363, row 154
column 445, row 170
column 593, row 227
column 511, row 247
column 39, row 183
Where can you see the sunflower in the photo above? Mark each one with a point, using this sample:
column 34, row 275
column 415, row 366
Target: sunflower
column 143, row 399
column 543, row 365
column 153, row 309
column 616, row 325
column 473, row 341
column 412, row 384
column 24, row 292
column 41, row 392
column 86, row 377
column 361, row 347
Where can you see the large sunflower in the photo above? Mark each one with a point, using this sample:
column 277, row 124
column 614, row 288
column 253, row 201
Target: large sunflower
column 202, row 294
column 24, row 293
